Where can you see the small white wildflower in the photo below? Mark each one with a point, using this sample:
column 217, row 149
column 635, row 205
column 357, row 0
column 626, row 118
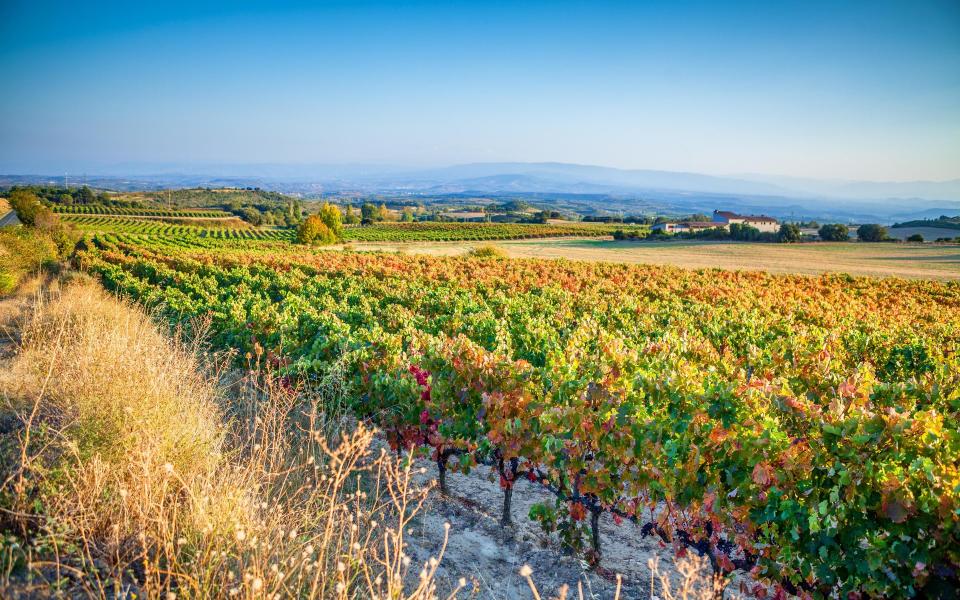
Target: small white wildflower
column 257, row 584
column 340, row 587
column 526, row 571
column 462, row 582
column 168, row 468
column 341, row 567
column 241, row 535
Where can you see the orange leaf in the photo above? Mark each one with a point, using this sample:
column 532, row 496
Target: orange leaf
column 762, row 474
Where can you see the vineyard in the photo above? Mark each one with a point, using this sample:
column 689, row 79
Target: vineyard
column 164, row 228
column 800, row 429
column 175, row 224
column 99, row 209
column 439, row 232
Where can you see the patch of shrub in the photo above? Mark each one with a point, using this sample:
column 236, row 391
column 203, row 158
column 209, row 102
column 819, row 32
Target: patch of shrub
column 315, row 232
column 834, row 232
column 487, row 251
column 872, row 232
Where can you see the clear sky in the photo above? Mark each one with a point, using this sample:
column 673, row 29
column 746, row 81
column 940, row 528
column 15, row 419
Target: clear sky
column 835, row 89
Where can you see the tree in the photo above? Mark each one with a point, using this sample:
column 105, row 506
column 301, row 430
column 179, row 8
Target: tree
column 85, row 196
column 351, row 218
column 789, row 233
column 872, row 232
column 915, row 238
column 331, row 217
column 26, row 205
column 251, row 215
column 742, row 232
column 835, row 232
column 407, row 215
column 294, row 212
column 314, row 231
column 369, row 212
column 382, row 213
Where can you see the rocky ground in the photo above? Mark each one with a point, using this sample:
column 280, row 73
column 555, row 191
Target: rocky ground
column 490, row 556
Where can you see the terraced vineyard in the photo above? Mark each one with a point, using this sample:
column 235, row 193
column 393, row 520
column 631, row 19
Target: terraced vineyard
column 159, row 228
column 801, row 429
column 97, row 209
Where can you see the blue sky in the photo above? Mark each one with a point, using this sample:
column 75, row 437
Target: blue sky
column 866, row 90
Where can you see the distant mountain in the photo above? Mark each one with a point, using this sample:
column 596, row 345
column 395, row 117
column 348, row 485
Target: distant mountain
column 603, row 189
column 559, row 176
column 865, row 190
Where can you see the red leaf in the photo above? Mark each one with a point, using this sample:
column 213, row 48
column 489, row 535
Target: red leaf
column 725, row 563
column 577, row 511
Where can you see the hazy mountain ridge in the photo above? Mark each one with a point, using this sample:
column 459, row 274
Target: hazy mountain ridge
column 604, row 188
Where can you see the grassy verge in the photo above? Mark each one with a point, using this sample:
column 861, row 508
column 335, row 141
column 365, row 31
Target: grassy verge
column 129, row 466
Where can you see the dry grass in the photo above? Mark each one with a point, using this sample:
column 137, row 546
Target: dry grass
column 126, row 468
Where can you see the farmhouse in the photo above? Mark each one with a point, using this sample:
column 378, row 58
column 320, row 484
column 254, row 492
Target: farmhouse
column 761, row 222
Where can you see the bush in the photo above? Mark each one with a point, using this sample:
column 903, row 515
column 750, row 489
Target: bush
column 790, row 233
column 742, row 232
column 487, row 251
column 27, row 206
column 915, row 238
column 314, row 231
column 633, row 234
column 835, row 232
column 872, row 232
column 22, row 251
